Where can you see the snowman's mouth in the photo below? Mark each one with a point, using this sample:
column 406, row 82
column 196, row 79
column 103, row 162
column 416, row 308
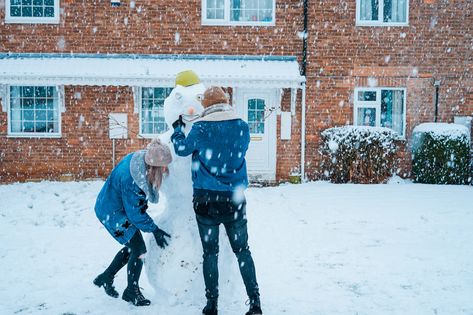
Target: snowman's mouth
column 190, row 118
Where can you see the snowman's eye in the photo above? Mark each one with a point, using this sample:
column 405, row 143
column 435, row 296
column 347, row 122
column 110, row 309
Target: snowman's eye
column 200, row 97
column 178, row 96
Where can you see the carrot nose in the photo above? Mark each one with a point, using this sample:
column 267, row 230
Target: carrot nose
column 190, row 110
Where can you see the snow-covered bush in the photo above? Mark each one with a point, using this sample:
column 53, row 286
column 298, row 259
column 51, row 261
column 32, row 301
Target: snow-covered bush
column 358, row 154
column 441, row 154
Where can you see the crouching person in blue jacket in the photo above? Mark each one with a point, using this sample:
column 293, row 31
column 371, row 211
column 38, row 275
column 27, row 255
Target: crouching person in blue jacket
column 218, row 142
column 121, row 207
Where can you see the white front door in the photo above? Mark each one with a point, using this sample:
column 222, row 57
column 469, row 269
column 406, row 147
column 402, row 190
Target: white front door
column 257, row 108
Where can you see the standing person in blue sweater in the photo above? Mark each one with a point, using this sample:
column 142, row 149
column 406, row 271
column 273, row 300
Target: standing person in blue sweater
column 218, row 142
column 121, row 207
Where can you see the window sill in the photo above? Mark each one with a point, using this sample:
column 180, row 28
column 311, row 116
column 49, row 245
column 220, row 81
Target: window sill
column 224, row 23
column 29, row 20
column 149, row 136
column 381, row 24
column 39, row 135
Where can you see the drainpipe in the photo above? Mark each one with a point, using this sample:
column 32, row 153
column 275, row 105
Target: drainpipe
column 303, row 73
column 303, row 178
column 437, row 87
column 305, row 35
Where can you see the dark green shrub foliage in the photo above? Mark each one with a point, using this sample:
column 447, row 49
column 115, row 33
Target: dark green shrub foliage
column 441, row 154
column 358, row 154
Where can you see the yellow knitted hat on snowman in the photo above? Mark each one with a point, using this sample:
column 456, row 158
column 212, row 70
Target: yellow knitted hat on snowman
column 187, row 78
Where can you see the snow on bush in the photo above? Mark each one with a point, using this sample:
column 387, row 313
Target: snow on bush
column 358, row 154
column 441, row 154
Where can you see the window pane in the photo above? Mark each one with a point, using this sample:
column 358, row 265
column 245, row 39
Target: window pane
column 152, row 115
column 220, row 14
column 147, row 93
column 251, row 10
column 15, row 11
column 49, row 12
column 53, row 127
column 369, row 10
column 41, row 103
column 27, row 126
column 366, row 116
column 392, row 110
column 49, row 2
column 37, row 11
column 50, row 116
column 15, row 126
column 40, row 91
column 395, row 11
column 260, row 105
column 28, row 103
column 41, row 126
column 28, row 115
column 15, row 2
column 367, row 96
column 26, row 2
column 26, row 11
column 38, row 2
column 27, row 91
column 40, row 115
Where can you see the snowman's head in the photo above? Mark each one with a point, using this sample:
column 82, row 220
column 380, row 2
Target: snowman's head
column 183, row 100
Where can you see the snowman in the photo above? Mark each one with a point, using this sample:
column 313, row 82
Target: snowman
column 175, row 272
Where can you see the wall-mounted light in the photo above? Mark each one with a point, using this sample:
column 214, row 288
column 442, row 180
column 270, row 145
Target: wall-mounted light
column 115, row 3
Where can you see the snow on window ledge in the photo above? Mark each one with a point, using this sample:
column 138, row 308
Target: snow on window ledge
column 381, row 24
column 34, row 135
column 227, row 23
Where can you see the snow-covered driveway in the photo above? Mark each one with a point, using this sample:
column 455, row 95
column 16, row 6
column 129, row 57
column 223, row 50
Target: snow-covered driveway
column 319, row 249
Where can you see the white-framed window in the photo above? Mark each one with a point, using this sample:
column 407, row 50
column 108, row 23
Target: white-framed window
column 382, row 12
column 32, row 11
column 381, row 107
column 34, row 111
column 238, row 12
column 152, row 121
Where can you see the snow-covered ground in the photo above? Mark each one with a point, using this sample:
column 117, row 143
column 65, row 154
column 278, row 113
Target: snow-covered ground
column 319, row 249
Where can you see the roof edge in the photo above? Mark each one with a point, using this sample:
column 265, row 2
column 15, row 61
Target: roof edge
column 11, row 55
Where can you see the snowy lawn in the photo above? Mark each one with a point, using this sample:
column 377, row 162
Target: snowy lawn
column 319, row 249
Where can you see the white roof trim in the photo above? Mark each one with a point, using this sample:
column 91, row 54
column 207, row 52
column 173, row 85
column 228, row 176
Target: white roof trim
column 148, row 71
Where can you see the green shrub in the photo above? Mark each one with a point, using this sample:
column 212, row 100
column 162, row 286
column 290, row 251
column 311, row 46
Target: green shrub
column 441, row 154
column 358, row 154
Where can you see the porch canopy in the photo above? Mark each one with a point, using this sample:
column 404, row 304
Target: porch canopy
column 148, row 70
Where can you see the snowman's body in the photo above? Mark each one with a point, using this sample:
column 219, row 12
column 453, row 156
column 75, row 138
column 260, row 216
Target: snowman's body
column 176, row 272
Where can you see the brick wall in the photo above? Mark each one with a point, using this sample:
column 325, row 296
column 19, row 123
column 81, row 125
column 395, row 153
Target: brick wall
column 437, row 45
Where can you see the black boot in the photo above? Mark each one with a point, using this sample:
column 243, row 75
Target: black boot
column 133, row 295
column 106, row 281
column 255, row 307
column 210, row 308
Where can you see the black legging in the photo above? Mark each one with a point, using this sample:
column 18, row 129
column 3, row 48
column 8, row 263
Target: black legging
column 130, row 254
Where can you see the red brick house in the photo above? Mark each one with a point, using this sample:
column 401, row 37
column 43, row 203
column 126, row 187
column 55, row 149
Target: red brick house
column 65, row 66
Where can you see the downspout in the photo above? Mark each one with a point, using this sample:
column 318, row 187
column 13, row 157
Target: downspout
column 303, row 177
column 304, row 69
column 437, row 88
column 304, row 37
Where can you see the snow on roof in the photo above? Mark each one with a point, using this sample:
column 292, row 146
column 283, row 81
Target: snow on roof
column 148, row 70
column 444, row 129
